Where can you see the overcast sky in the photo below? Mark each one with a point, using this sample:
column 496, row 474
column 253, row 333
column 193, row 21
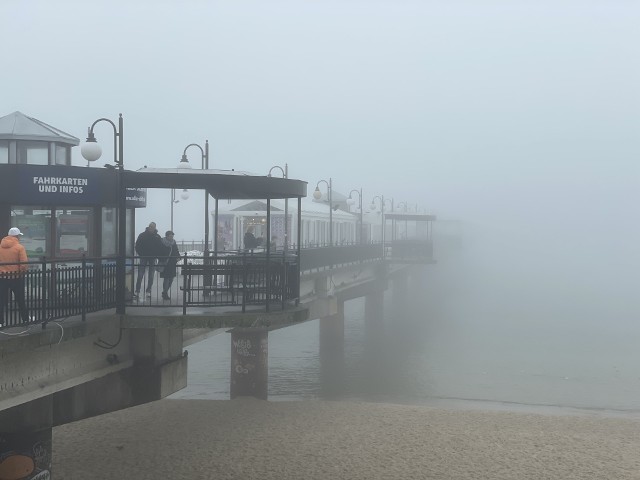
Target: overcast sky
column 504, row 112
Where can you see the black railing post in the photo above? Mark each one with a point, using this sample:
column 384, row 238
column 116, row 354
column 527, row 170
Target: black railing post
column 98, row 294
column 83, row 288
column 244, row 281
column 284, row 281
column 44, row 287
column 206, row 278
column 184, row 286
column 299, row 258
column 268, row 278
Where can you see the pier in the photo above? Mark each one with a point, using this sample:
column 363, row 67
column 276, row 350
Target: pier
column 91, row 347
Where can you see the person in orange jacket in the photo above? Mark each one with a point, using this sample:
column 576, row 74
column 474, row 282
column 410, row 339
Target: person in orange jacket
column 12, row 270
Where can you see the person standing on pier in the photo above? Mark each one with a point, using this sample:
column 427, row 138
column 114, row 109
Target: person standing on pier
column 172, row 255
column 250, row 241
column 12, row 270
column 148, row 247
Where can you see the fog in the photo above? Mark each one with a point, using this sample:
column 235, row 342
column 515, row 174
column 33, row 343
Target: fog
column 516, row 122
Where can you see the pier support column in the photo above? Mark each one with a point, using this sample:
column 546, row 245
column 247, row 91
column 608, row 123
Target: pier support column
column 25, row 440
column 249, row 362
column 332, row 360
column 373, row 320
column 419, row 289
column 374, row 309
column 160, row 367
column 400, row 294
column 321, row 287
column 332, row 333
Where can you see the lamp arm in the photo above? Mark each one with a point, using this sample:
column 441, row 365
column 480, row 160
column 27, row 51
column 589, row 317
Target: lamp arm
column 284, row 175
column 325, row 182
column 195, row 145
column 115, row 136
column 115, row 129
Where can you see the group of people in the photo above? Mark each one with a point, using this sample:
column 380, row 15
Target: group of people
column 251, row 242
column 156, row 254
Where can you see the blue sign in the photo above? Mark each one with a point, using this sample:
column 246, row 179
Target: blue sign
column 57, row 185
column 62, row 185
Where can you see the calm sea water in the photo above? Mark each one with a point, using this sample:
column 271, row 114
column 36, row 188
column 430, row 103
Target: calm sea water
column 521, row 343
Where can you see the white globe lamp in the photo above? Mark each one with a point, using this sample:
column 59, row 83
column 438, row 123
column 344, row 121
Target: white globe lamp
column 184, row 163
column 91, row 150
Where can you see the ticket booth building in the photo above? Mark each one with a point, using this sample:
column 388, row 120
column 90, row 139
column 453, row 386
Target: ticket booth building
column 63, row 211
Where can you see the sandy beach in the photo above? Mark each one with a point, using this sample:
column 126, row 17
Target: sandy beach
column 253, row 439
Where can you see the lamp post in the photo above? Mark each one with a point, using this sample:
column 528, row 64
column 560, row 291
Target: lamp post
column 92, row 151
column 351, row 201
column 184, row 163
column 373, row 207
column 184, row 196
column 318, row 195
column 405, row 221
column 285, row 174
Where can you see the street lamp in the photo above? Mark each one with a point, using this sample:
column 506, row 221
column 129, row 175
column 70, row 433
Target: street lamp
column 285, row 174
column 92, row 151
column 405, row 220
column 318, row 195
column 373, row 208
column 184, row 196
column 184, row 163
column 351, row 201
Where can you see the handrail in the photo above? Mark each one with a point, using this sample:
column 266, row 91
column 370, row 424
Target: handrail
column 75, row 286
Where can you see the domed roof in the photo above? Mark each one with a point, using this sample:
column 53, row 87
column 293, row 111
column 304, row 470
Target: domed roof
column 18, row 126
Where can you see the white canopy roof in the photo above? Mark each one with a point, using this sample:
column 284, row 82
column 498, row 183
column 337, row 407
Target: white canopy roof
column 259, row 207
column 18, row 126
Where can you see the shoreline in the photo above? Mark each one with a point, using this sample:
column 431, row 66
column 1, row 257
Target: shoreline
column 481, row 405
column 317, row 439
column 448, row 403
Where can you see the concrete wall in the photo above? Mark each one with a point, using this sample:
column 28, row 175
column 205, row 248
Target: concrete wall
column 73, row 373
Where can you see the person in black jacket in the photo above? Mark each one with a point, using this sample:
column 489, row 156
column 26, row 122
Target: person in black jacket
column 168, row 262
column 148, row 247
column 250, row 241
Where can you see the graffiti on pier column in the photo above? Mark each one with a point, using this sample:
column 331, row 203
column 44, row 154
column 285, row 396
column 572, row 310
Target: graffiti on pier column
column 248, row 353
column 244, row 358
column 25, row 456
column 249, row 363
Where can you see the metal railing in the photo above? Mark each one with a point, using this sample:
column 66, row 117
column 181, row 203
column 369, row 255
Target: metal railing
column 325, row 257
column 241, row 279
column 55, row 289
column 410, row 250
column 192, row 245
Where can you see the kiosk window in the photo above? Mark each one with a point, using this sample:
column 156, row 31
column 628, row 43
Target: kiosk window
column 62, row 155
column 4, row 151
column 130, row 231
column 35, row 225
column 109, row 231
column 33, row 153
column 73, row 232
